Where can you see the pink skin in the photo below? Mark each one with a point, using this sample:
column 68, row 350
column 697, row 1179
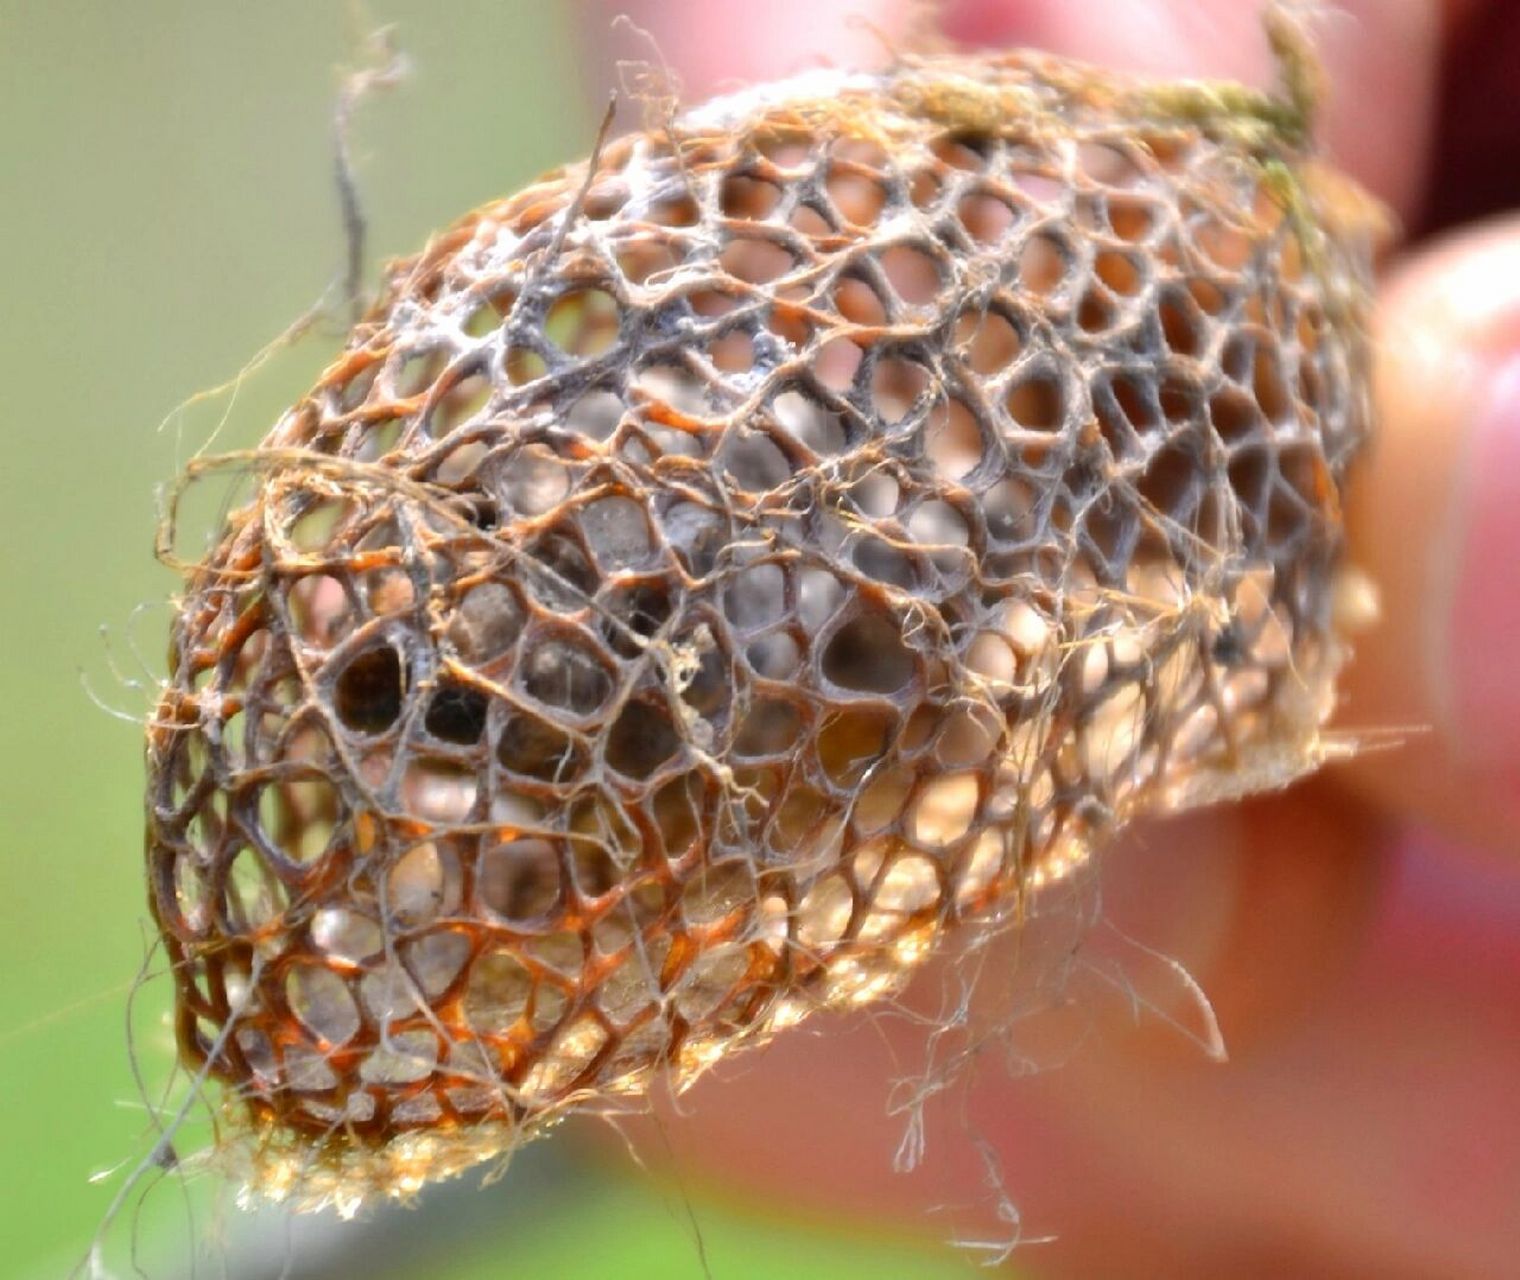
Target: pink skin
column 1487, row 698
column 1359, row 937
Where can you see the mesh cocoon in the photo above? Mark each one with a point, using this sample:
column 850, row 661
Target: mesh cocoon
column 699, row 586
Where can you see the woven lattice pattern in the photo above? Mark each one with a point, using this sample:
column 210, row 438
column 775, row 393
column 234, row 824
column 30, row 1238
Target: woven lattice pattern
column 701, row 585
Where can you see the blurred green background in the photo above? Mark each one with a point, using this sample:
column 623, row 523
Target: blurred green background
column 167, row 209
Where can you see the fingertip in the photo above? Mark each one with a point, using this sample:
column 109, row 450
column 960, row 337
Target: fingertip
column 1434, row 517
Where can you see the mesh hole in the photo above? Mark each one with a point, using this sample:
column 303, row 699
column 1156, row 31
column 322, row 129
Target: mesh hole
column 298, row 817
column 857, row 302
column 439, row 791
column 1119, row 271
column 523, row 365
column 867, row 655
column 718, row 891
column 369, row 691
column 486, row 622
column 320, row 611
column 937, row 523
column 519, row 880
column 1181, row 322
column 316, row 524
column 675, row 211
column 192, row 899
column 560, row 673
column 592, row 869
column 1271, row 391
column 988, row 341
column 253, row 896
column 346, row 934
column 896, row 384
column 1208, row 296
column 819, row 595
column 535, row 749
column 534, row 481
column 858, row 197
column 404, row 1058
column 1106, row 163
column 1138, row 402
column 594, row 415
column 1010, row 511
column 1131, row 219
column 1043, row 264
column 417, row 887
column 953, row 440
column 882, row 562
column 807, row 221
column 696, row 534
column 748, row 198
column 635, row 613
column 850, row 742
column 754, row 462
column 416, row 372
column 986, row 218
column 913, row 274
column 321, row 1000
column 497, row 993
column 755, row 261
column 1169, row 479
column 1038, row 401
column 584, row 322
column 1304, row 471
column 966, row 151
column 1229, row 247
column 1181, row 401
column 459, row 404
column 876, row 494
column 487, row 318
column 1037, row 182
column 678, row 815
column 1285, row 515
column 1234, row 414
column 1096, row 310
column 617, row 531
column 555, row 569
column 456, row 713
column 605, row 200
column 769, row 728
column 734, row 352
column 641, row 740
column 966, row 738
column 1250, row 475
column 835, row 363
column 820, row 429
column 756, row 597
column 774, row 657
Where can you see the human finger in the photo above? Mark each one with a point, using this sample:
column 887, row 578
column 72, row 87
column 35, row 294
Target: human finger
column 1435, row 520
column 1371, row 1136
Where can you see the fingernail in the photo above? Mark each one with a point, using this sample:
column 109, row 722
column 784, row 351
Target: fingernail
column 1483, row 627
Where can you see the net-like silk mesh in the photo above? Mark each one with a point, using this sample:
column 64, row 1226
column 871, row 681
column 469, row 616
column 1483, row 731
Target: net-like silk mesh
column 698, row 587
